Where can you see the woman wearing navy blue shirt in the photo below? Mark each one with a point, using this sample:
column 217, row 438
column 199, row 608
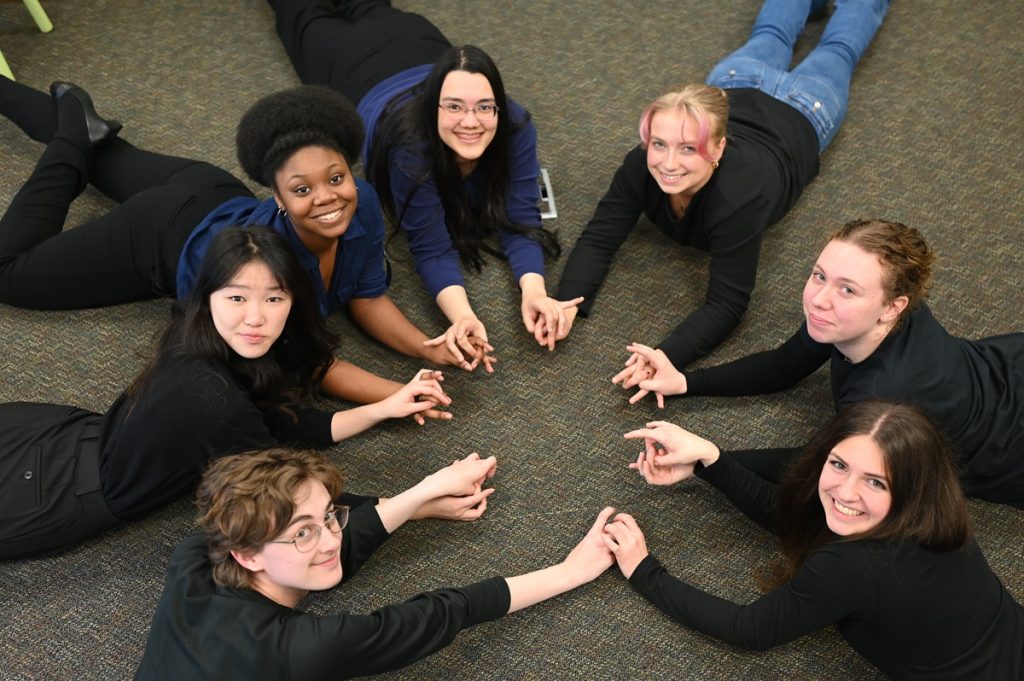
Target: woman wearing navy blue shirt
column 454, row 159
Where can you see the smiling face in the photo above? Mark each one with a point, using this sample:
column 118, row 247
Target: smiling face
column 250, row 312
column 673, row 158
column 466, row 134
column 854, row 487
column 317, row 189
column 844, row 300
column 283, row 573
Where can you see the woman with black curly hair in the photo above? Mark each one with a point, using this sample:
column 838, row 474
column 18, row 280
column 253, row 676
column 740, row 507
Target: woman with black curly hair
column 454, row 159
column 301, row 143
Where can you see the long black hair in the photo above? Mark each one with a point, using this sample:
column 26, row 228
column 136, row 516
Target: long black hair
column 411, row 122
column 295, row 363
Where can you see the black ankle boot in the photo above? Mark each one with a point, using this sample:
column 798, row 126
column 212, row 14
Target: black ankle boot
column 100, row 129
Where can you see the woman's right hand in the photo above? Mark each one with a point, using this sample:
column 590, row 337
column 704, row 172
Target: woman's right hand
column 592, row 555
column 466, row 342
column 670, row 452
column 625, row 540
column 651, row 371
column 418, row 398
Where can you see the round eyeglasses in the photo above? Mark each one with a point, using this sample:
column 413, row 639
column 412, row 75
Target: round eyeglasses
column 308, row 536
column 458, row 109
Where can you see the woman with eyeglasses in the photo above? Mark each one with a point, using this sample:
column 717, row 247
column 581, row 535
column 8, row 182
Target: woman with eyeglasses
column 720, row 163
column 273, row 533
column 875, row 539
column 454, row 160
column 230, row 373
column 300, row 143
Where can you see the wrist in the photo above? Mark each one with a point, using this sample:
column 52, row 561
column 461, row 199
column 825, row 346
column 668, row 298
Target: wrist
column 712, row 456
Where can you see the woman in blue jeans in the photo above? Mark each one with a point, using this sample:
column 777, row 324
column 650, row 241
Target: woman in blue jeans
column 719, row 163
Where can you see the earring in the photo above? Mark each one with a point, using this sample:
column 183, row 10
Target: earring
column 281, row 211
column 714, row 164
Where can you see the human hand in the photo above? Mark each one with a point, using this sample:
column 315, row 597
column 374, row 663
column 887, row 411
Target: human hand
column 651, row 371
column 549, row 320
column 625, row 540
column 451, row 507
column 465, row 345
column 418, row 398
column 678, row 447
column 463, row 478
column 592, row 555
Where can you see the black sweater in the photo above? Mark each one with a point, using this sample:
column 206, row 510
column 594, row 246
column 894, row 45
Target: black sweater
column 912, row 612
column 770, row 156
column 204, row 631
column 193, row 410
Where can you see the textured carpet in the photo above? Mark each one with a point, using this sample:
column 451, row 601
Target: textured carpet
column 934, row 138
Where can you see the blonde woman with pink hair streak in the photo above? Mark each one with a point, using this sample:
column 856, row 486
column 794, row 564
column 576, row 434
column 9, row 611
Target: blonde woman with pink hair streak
column 719, row 163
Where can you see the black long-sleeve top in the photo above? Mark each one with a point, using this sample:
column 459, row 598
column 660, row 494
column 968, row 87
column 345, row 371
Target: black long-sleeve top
column 974, row 390
column 912, row 612
column 156, row 447
column 204, row 631
column 770, row 156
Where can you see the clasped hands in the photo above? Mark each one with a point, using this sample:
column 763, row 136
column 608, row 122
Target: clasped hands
column 651, row 371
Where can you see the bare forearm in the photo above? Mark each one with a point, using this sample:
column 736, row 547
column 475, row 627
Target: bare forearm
column 534, row 587
column 383, row 321
column 454, row 303
column 349, row 382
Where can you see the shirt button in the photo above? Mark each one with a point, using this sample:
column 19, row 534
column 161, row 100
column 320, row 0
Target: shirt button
column 817, row 105
column 27, row 475
column 732, row 72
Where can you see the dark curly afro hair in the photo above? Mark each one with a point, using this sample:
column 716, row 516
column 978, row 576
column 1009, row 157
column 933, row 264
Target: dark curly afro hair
column 280, row 124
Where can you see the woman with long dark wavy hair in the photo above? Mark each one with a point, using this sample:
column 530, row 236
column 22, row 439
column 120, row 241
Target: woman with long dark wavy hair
column 454, row 160
column 875, row 539
column 230, row 373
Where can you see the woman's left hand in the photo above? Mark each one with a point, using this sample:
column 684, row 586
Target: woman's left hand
column 626, row 541
column 549, row 320
column 650, row 370
column 452, row 507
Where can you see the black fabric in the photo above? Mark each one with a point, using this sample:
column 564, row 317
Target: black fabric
column 203, row 631
column 49, row 479
column 974, row 390
column 355, row 46
column 770, row 156
column 914, row 613
column 156, row 448
column 129, row 254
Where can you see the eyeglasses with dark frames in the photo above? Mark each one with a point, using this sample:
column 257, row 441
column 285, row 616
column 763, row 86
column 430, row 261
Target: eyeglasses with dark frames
column 488, row 110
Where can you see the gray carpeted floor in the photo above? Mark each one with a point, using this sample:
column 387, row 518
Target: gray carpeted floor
column 934, row 138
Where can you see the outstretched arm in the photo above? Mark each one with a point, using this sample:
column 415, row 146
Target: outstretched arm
column 383, row 321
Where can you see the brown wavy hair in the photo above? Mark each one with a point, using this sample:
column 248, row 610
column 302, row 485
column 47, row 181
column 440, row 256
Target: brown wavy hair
column 928, row 504
column 244, row 500
column 907, row 259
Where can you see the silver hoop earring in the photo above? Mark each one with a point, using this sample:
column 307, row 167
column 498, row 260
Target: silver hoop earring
column 281, row 210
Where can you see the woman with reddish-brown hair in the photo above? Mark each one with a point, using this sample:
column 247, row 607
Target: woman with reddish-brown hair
column 864, row 314
column 875, row 538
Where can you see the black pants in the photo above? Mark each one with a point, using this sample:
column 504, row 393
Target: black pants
column 129, row 254
column 50, row 492
column 353, row 47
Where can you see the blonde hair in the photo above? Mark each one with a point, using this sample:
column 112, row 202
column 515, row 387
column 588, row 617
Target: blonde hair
column 245, row 500
column 707, row 105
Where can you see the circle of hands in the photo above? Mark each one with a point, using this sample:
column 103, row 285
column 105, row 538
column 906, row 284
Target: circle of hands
column 669, row 455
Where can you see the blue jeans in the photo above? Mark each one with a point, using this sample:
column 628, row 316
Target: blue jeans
column 819, row 87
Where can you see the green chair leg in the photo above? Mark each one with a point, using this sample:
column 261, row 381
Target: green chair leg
column 5, row 70
column 39, row 15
